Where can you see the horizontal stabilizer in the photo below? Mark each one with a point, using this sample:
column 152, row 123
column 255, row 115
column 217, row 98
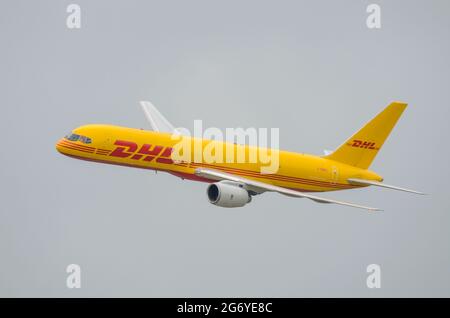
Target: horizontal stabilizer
column 380, row 184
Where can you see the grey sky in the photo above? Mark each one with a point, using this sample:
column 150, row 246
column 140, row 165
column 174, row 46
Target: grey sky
column 311, row 68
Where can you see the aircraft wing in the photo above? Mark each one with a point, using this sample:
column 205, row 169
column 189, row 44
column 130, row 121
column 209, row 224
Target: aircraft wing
column 380, row 184
column 157, row 120
column 260, row 187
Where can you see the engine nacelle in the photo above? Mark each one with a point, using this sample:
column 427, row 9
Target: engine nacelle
column 228, row 194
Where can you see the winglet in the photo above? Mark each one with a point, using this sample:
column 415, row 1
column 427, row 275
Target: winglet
column 157, row 120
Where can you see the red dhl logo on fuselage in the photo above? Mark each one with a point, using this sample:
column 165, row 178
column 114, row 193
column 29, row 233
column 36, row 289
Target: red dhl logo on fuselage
column 363, row 144
column 147, row 152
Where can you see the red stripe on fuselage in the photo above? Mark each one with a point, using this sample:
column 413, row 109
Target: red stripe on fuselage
column 75, row 144
column 183, row 175
column 75, row 148
column 275, row 176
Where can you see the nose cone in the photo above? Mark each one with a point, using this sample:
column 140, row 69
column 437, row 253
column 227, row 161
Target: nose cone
column 58, row 146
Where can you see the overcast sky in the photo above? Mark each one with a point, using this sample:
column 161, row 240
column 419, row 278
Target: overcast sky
column 310, row 68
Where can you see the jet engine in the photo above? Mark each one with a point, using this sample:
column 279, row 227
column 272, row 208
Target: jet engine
column 228, row 194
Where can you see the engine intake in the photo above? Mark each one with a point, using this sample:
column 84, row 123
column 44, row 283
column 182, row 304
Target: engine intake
column 228, row 194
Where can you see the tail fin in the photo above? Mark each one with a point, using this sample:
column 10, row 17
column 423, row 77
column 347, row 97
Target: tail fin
column 361, row 148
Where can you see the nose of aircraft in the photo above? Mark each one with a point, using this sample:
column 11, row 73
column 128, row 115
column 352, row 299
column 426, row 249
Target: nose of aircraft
column 58, row 146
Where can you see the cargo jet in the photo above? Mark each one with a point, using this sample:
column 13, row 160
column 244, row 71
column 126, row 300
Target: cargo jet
column 234, row 184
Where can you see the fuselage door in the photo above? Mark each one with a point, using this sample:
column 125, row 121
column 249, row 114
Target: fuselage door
column 334, row 175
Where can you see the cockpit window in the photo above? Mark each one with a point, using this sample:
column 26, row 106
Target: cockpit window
column 75, row 137
column 85, row 139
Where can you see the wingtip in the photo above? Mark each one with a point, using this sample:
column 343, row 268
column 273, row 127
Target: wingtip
column 400, row 103
column 416, row 192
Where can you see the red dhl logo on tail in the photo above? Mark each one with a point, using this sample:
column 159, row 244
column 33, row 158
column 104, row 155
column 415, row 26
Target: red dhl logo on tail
column 129, row 149
column 363, row 144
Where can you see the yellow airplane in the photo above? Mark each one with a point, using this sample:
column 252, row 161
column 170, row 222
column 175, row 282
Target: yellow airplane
column 234, row 184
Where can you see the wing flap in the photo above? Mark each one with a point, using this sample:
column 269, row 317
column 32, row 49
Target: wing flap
column 262, row 187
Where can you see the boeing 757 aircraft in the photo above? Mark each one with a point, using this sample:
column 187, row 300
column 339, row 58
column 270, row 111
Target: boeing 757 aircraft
column 234, row 184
